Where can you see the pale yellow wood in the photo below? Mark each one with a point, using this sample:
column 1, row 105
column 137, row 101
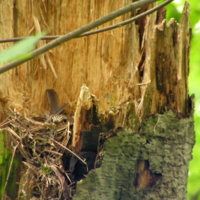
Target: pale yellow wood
column 97, row 61
column 116, row 66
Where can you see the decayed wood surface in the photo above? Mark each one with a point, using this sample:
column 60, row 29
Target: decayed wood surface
column 93, row 60
column 134, row 71
column 117, row 66
column 87, row 106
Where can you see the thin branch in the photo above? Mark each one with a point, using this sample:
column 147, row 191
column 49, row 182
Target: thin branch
column 78, row 32
column 129, row 20
column 12, row 132
column 53, row 37
column 70, row 151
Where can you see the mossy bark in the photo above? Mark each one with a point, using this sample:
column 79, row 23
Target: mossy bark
column 150, row 165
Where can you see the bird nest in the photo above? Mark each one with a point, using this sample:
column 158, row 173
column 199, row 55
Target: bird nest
column 42, row 145
column 51, row 168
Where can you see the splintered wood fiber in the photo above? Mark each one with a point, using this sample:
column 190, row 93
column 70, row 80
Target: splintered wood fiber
column 104, row 61
column 148, row 69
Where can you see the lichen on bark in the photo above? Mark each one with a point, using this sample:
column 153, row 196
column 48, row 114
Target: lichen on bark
column 150, row 165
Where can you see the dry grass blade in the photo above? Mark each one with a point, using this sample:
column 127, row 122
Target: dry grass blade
column 12, row 132
column 69, row 151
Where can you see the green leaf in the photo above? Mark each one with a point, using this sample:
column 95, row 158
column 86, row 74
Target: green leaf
column 20, row 50
column 172, row 12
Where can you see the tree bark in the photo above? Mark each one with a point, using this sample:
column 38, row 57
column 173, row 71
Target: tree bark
column 150, row 165
column 136, row 79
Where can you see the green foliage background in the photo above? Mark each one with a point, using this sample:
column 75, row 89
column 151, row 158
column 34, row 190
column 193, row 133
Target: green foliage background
column 174, row 11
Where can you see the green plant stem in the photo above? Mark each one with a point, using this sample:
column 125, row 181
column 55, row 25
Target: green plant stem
column 10, row 167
